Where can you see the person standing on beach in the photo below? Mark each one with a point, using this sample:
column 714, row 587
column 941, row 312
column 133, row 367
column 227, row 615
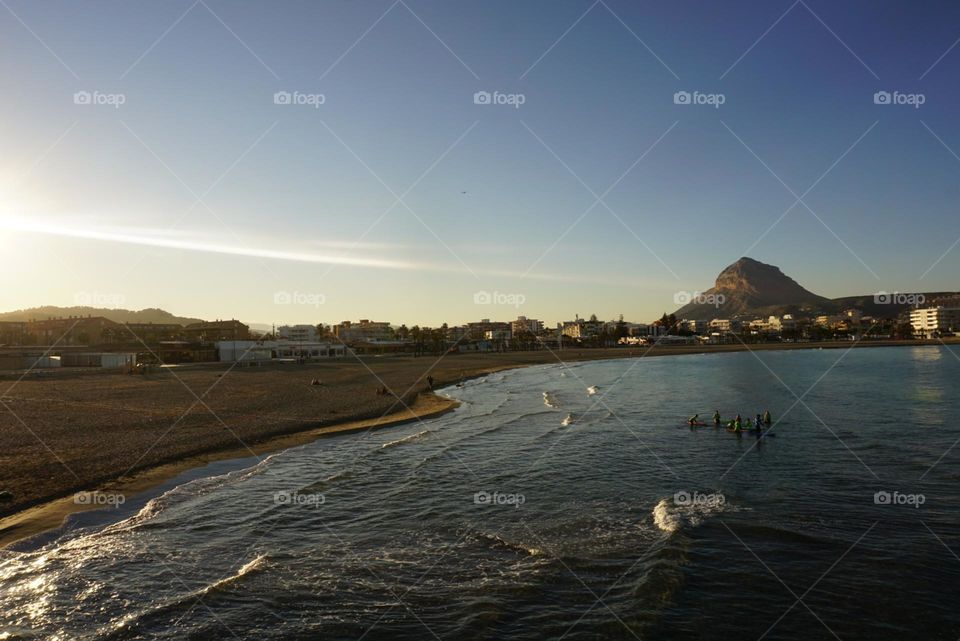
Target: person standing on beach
column 430, row 382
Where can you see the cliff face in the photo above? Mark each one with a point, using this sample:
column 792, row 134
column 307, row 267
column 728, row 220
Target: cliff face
column 751, row 287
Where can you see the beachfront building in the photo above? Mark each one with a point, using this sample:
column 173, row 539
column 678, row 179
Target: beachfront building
column 303, row 333
column 106, row 360
column 478, row 331
column 20, row 359
column 935, row 321
column 364, row 331
column 152, row 333
column 780, row 323
column 827, row 320
column 693, row 326
column 572, row 329
column 13, row 333
column 305, row 350
column 262, row 351
column 524, row 325
column 215, row 331
column 243, row 351
column 582, row 329
column 724, row 325
column 75, row 330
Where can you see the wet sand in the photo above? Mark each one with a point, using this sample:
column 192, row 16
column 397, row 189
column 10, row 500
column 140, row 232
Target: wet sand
column 67, row 431
column 50, row 515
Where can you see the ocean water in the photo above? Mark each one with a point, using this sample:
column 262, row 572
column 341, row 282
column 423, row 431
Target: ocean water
column 540, row 511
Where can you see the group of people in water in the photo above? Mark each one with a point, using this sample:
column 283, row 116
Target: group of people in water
column 737, row 424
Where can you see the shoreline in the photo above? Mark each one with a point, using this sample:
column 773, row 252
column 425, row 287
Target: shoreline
column 49, row 514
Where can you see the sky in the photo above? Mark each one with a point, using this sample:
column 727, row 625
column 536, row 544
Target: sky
column 317, row 161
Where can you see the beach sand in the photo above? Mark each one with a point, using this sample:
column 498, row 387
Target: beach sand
column 62, row 432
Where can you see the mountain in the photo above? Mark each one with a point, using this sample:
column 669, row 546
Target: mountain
column 150, row 315
column 751, row 287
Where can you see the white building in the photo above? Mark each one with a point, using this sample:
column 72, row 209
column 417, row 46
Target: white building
column 723, row 324
column 830, row 320
column 243, row 351
column 779, row 323
column 302, row 333
column 261, row 351
column 934, row 321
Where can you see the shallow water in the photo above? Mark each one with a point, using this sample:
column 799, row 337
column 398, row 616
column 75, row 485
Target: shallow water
column 500, row 522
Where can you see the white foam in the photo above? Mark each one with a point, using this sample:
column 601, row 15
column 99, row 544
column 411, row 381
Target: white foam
column 406, row 439
column 243, row 571
column 670, row 517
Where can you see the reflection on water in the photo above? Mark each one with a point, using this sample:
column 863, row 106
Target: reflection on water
column 928, row 384
column 504, row 520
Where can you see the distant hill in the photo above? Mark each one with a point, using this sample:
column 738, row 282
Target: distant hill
column 750, row 288
column 150, row 315
column 747, row 287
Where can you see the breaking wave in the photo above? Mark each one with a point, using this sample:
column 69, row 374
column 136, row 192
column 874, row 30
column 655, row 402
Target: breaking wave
column 672, row 515
column 406, row 439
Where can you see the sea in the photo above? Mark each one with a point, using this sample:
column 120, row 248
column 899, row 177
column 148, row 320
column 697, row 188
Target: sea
column 566, row 501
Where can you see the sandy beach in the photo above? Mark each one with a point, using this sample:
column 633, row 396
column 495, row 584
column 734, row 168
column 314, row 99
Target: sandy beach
column 67, row 431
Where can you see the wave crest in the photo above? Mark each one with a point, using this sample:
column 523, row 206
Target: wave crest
column 670, row 516
column 406, row 439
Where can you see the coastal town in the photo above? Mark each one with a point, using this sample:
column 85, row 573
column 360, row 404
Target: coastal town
column 96, row 341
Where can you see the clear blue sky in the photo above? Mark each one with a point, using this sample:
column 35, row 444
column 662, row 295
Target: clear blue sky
column 200, row 195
